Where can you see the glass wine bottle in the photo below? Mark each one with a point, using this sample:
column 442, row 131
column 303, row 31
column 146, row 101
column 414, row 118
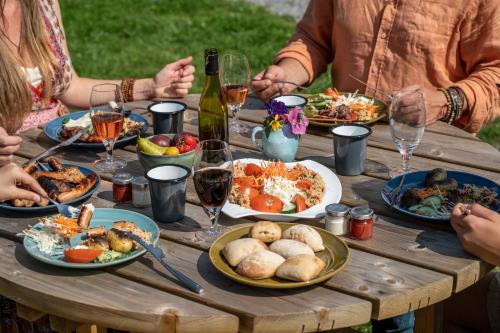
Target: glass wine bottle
column 213, row 116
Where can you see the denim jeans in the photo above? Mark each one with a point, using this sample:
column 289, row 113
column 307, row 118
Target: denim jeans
column 399, row 324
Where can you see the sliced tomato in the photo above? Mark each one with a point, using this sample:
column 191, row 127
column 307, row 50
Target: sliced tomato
column 303, row 184
column 300, row 203
column 253, row 169
column 81, row 256
column 250, row 191
column 266, row 203
column 354, row 116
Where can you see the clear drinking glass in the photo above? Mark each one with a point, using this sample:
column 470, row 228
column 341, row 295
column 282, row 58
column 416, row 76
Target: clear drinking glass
column 235, row 78
column 106, row 102
column 407, row 124
column 213, row 178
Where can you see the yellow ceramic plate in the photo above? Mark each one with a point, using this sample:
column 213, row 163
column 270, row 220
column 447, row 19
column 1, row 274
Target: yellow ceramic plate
column 336, row 255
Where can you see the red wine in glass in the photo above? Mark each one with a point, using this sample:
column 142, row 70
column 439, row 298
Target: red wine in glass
column 213, row 186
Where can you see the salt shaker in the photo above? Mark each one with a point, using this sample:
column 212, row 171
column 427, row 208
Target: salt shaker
column 337, row 219
column 140, row 192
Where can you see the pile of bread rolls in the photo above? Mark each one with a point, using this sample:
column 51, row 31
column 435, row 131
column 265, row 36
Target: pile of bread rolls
column 270, row 252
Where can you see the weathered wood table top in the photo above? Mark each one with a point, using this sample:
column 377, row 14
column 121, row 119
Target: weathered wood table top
column 407, row 265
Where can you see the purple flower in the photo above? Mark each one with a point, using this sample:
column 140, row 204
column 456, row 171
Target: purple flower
column 298, row 121
column 276, row 108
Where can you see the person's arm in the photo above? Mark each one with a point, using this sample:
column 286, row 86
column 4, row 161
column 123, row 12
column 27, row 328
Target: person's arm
column 479, row 231
column 480, row 51
column 306, row 56
column 174, row 80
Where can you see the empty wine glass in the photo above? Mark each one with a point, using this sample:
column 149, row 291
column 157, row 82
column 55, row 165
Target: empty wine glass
column 407, row 124
column 106, row 102
column 235, row 77
column 213, row 177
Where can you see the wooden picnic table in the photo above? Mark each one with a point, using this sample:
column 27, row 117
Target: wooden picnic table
column 407, row 265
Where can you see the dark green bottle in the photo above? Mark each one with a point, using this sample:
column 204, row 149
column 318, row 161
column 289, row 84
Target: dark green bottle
column 213, row 116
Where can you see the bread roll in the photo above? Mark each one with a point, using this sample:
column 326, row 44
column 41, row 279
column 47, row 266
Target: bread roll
column 265, row 231
column 236, row 250
column 260, row 265
column 288, row 248
column 301, row 268
column 305, row 234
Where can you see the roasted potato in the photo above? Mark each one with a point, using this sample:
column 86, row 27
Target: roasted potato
column 119, row 242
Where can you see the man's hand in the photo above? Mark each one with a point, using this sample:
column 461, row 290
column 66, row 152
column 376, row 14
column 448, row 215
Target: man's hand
column 434, row 100
column 263, row 84
column 479, row 231
column 10, row 177
column 9, row 144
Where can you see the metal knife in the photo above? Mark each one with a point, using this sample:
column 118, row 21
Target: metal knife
column 51, row 149
column 160, row 256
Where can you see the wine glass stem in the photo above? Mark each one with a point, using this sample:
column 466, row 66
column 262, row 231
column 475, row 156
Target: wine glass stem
column 213, row 215
column 406, row 160
column 235, row 110
column 109, row 144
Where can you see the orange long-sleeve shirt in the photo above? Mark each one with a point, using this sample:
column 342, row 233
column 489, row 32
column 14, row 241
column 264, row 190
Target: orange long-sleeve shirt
column 391, row 44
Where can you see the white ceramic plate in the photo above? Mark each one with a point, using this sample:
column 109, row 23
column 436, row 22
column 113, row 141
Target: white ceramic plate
column 333, row 193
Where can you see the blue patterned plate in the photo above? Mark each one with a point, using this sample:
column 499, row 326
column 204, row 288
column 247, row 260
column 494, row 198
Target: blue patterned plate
column 54, row 127
column 104, row 217
column 35, row 210
column 417, row 179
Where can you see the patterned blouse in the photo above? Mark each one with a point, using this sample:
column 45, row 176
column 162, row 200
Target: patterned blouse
column 46, row 110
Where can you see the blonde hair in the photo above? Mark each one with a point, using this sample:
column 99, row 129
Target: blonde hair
column 15, row 91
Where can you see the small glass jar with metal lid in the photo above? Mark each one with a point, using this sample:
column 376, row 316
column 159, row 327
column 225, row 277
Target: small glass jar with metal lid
column 140, row 192
column 361, row 222
column 122, row 187
column 337, row 219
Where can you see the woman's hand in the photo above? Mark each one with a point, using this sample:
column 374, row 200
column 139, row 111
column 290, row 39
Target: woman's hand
column 478, row 231
column 174, row 80
column 12, row 176
column 9, row 144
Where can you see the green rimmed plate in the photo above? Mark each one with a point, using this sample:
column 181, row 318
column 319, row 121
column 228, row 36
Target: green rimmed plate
column 382, row 113
column 336, row 255
column 104, row 217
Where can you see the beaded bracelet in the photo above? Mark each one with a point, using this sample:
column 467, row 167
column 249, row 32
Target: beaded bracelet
column 127, row 88
column 458, row 95
column 449, row 104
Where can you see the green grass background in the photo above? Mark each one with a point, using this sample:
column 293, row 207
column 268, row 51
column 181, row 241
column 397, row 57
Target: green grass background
column 136, row 38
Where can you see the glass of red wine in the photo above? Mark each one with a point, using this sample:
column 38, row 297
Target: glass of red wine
column 106, row 113
column 235, row 77
column 213, row 177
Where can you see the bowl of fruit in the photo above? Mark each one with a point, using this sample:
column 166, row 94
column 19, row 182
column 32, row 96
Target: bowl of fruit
column 166, row 148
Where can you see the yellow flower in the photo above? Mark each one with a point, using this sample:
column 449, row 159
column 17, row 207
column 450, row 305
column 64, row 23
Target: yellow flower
column 275, row 123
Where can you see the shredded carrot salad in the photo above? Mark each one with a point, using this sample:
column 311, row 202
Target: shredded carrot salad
column 68, row 227
column 275, row 178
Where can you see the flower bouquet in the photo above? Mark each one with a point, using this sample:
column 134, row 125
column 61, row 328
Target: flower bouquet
column 282, row 130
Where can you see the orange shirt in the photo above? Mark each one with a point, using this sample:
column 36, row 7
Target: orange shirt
column 391, row 44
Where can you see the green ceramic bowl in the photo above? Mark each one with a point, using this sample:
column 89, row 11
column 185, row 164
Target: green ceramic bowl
column 336, row 255
column 148, row 161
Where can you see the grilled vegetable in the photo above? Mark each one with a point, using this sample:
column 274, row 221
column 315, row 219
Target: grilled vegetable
column 434, row 176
